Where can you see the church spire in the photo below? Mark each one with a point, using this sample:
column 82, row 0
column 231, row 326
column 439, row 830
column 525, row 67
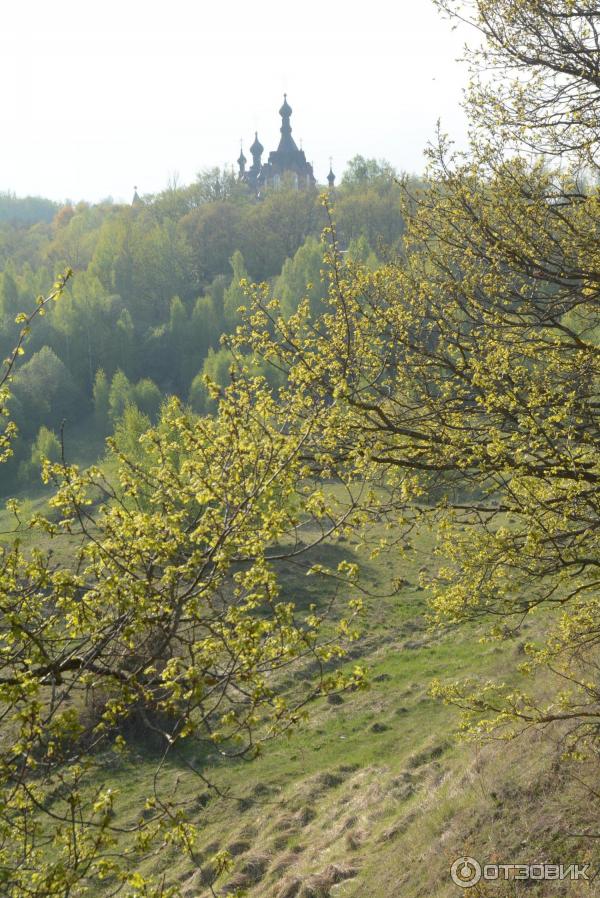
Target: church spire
column 257, row 150
column 287, row 143
column 242, row 161
column 286, row 110
column 331, row 176
column 285, row 166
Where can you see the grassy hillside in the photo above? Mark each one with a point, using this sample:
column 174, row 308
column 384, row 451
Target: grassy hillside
column 374, row 796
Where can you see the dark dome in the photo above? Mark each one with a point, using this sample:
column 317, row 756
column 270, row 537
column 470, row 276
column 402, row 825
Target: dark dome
column 286, row 109
column 257, row 148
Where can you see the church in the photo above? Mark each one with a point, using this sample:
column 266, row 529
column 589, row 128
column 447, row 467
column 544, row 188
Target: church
column 286, row 162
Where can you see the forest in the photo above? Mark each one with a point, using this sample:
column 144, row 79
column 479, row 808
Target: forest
column 155, row 286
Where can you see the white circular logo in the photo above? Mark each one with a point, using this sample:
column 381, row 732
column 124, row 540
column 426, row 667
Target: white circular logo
column 465, row 872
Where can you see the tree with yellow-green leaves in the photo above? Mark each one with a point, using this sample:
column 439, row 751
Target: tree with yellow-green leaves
column 465, row 375
column 166, row 625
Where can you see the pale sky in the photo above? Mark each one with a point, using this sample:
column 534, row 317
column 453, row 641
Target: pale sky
column 101, row 96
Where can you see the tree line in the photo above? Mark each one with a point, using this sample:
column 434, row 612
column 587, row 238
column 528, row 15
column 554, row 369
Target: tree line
column 155, row 286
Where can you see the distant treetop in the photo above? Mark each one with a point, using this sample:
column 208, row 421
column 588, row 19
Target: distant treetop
column 26, row 210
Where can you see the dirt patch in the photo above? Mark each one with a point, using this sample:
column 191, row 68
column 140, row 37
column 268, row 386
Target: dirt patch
column 305, row 816
column 255, row 867
column 284, row 862
column 335, row 699
column 288, row 823
column 379, row 728
column 193, row 885
column 239, row 881
column 431, row 753
column 289, row 888
column 398, row 828
column 261, row 790
column 238, row 847
column 320, row 885
column 355, row 839
column 245, row 803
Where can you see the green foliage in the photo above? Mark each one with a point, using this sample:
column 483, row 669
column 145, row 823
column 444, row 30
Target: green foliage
column 204, row 326
column 216, row 368
column 100, row 395
column 154, row 287
column 360, row 171
column 213, row 185
column 85, row 320
column 198, row 396
column 233, row 297
column 360, row 251
column 113, row 401
column 75, row 235
column 302, row 278
column 148, row 398
column 120, row 396
column 178, row 320
column 173, row 577
column 25, row 211
column 46, row 446
column 371, row 208
column 129, row 429
column 169, row 625
column 457, row 381
column 464, row 373
column 45, row 392
column 9, row 296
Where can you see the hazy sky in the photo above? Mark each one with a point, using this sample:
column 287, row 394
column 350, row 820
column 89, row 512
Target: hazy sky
column 99, row 97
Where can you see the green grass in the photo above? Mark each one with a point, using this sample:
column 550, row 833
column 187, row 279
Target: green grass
column 373, row 797
column 361, row 779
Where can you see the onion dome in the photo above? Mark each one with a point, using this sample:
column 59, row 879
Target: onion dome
column 286, row 109
column 257, row 148
column 242, row 161
column 287, row 144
